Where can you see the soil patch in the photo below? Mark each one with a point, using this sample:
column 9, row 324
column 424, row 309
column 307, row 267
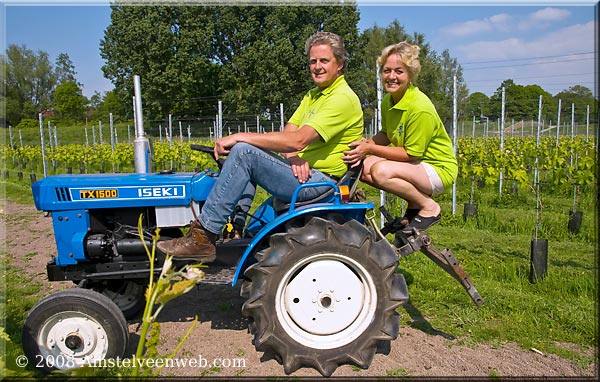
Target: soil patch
column 222, row 340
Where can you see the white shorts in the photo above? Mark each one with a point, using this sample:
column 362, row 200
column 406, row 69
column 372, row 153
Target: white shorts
column 437, row 187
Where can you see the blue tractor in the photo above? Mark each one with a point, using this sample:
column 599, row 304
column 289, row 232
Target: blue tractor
column 320, row 281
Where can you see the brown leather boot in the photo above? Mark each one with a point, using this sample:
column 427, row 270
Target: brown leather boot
column 198, row 244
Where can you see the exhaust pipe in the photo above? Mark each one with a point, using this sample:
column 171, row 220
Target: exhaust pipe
column 142, row 156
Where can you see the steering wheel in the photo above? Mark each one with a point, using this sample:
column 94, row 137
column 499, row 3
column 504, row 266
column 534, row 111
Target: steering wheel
column 211, row 151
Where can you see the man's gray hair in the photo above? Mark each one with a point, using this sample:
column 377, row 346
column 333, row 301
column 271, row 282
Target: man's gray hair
column 331, row 39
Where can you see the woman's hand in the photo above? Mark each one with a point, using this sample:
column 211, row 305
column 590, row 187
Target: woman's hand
column 358, row 151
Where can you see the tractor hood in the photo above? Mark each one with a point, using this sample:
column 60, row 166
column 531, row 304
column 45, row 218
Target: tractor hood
column 65, row 192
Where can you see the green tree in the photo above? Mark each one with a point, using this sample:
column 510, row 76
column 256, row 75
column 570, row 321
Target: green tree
column 69, row 101
column 442, row 95
column 580, row 97
column 250, row 57
column 65, row 70
column 110, row 104
column 261, row 50
column 168, row 47
column 522, row 102
column 476, row 104
column 28, row 82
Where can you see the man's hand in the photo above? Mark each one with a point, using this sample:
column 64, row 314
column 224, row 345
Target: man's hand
column 223, row 145
column 300, row 168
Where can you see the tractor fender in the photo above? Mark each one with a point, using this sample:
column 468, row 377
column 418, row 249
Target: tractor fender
column 355, row 211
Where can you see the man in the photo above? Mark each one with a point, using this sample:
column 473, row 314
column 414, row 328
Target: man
column 312, row 143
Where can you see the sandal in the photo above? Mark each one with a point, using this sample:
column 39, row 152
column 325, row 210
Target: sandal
column 421, row 223
column 409, row 215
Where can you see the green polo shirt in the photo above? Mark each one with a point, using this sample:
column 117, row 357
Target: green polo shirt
column 414, row 124
column 335, row 113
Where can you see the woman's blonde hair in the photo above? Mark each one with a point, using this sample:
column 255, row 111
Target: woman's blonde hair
column 408, row 54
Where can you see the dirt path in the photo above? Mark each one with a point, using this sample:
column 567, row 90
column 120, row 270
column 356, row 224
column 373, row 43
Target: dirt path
column 221, row 335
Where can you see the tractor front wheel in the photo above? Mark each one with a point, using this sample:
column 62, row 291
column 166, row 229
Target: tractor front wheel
column 73, row 328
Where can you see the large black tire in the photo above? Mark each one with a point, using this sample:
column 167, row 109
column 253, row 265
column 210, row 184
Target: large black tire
column 73, row 328
column 324, row 295
column 128, row 295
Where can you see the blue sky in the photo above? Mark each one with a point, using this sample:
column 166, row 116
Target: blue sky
column 548, row 43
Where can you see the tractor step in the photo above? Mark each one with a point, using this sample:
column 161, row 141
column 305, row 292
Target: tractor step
column 216, row 275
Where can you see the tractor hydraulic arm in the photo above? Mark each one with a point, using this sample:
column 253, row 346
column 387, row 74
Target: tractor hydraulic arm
column 405, row 244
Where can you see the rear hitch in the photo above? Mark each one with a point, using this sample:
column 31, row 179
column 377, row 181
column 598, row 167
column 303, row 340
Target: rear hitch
column 406, row 244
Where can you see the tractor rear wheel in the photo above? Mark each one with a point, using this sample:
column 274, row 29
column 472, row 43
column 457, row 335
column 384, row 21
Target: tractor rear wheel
column 324, row 295
column 129, row 295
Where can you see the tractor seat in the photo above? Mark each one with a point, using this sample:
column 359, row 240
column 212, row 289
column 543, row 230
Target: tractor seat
column 350, row 179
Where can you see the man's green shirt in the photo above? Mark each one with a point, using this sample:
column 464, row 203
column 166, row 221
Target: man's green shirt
column 335, row 113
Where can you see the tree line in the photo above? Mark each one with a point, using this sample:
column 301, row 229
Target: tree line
column 250, row 57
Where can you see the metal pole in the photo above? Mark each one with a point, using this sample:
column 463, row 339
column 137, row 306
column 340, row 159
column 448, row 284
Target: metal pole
column 587, row 124
column 219, row 133
column 454, row 137
column 112, row 131
column 50, row 136
column 535, row 173
column 112, row 138
column 42, row 141
column 170, row 131
column 558, row 121
column 502, row 138
column 281, row 114
column 378, row 115
column 572, row 121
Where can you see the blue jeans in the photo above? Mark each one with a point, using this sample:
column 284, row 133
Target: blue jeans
column 246, row 167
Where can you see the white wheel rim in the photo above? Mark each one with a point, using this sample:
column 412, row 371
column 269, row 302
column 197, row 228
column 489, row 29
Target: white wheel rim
column 326, row 301
column 72, row 339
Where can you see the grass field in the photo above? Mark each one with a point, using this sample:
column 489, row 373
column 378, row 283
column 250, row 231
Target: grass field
column 557, row 314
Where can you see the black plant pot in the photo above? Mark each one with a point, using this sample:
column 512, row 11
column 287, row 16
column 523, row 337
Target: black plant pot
column 32, row 178
column 538, row 260
column 470, row 209
column 575, row 218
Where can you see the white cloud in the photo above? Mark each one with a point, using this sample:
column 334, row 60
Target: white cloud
column 550, row 14
column 573, row 39
column 472, row 27
column 551, row 73
column 543, row 18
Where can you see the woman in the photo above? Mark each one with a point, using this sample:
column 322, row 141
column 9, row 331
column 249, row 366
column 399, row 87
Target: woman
column 412, row 156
